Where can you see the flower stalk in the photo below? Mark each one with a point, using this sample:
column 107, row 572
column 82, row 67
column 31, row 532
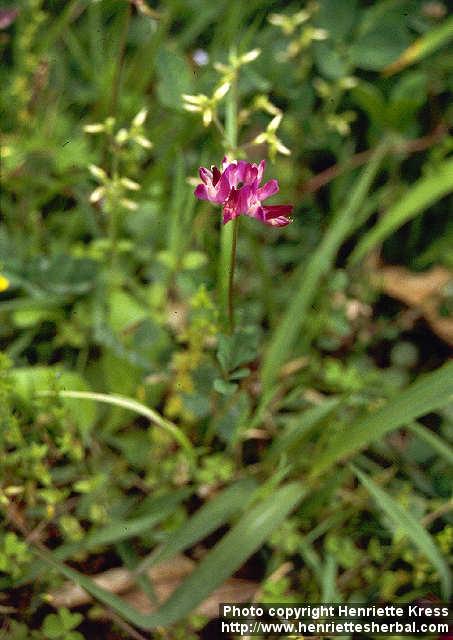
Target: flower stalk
column 229, row 232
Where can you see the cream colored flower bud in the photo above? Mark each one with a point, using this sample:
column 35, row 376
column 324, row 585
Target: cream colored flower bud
column 98, row 173
column 143, row 142
column 282, row 149
column 94, row 128
column 260, row 139
column 319, row 34
column 198, row 99
column 97, row 194
column 250, row 56
column 192, row 107
column 221, row 91
column 130, row 184
column 140, row 118
column 275, row 123
column 207, row 117
column 129, row 204
column 122, row 136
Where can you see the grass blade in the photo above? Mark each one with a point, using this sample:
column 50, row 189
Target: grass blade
column 422, row 195
column 433, row 440
column 160, row 509
column 220, row 563
column 320, row 263
column 411, row 527
column 141, row 409
column 301, row 426
column 429, row 392
column 423, row 47
column 206, row 520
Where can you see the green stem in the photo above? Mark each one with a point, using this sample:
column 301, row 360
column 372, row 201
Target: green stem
column 228, row 238
column 235, row 225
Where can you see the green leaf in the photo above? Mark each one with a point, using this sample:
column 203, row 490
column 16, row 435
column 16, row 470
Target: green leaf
column 52, row 626
column 422, row 195
column 284, row 337
column 223, row 387
column 124, row 310
column 238, row 349
column 430, row 392
column 221, row 562
column 411, row 527
column 337, row 17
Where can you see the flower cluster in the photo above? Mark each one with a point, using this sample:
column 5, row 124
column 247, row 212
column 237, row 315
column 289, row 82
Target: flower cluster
column 237, row 188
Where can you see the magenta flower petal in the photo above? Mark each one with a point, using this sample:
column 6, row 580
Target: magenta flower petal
column 215, row 175
column 201, row 192
column 261, row 167
column 205, row 175
column 276, row 210
column 281, row 221
column 268, row 190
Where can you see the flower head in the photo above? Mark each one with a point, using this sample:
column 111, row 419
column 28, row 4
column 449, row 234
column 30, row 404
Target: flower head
column 237, row 188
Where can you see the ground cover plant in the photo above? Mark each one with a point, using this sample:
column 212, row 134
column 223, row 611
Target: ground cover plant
column 211, row 391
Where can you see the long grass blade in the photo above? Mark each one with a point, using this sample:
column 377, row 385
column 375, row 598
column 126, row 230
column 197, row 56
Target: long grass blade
column 428, row 393
column 128, row 403
column 210, row 517
column 222, row 561
column 423, row 47
column 418, row 198
column 433, row 441
column 405, row 521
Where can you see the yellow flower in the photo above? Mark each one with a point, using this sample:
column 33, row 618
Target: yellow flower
column 4, row 283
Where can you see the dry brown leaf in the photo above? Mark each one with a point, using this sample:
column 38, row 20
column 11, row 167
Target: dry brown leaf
column 421, row 291
column 165, row 578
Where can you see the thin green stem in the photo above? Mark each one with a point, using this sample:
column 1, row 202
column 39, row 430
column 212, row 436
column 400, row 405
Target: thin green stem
column 235, row 224
column 228, row 238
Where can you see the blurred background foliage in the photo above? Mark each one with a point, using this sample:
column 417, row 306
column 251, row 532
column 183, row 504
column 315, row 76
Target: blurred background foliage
column 133, row 428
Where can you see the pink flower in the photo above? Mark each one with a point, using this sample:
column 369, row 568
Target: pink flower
column 238, row 189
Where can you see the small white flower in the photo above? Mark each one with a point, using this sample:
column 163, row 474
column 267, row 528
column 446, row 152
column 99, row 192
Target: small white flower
column 143, row 142
column 98, row 173
column 221, row 91
column 129, row 204
column 250, row 56
column 207, row 117
column 281, row 148
column 94, row 128
column 319, row 34
column 97, row 194
column 192, row 107
column 140, row 118
column 260, row 139
column 130, row 184
column 198, row 99
column 275, row 123
column 122, row 136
